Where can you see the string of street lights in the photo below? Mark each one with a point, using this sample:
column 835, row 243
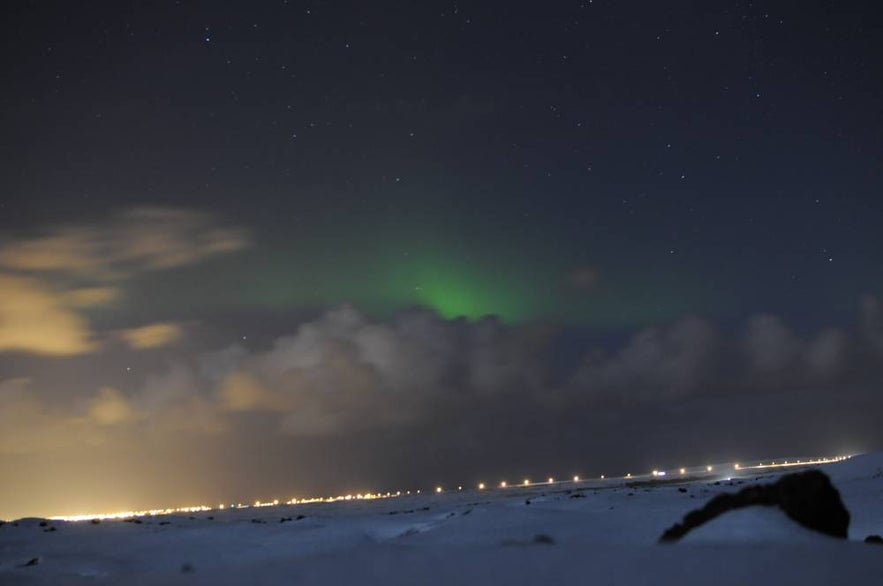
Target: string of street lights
column 681, row 472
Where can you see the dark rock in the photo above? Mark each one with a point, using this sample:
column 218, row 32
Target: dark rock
column 874, row 539
column 682, row 489
column 43, row 523
column 527, row 501
column 808, row 498
column 543, row 539
column 299, row 517
column 31, row 562
column 95, row 521
column 50, row 530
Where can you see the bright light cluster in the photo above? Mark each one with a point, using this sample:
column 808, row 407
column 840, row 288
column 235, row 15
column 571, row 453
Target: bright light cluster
column 129, row 514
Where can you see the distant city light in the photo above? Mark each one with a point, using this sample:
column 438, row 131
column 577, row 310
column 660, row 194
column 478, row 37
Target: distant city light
column 438, row 489
column 576, row 478
column 481, row 486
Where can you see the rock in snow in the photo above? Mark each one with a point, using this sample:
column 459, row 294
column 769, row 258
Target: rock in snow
column 808, row 498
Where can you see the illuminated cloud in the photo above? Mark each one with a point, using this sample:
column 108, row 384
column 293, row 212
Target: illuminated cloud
column 178, row 400
column 152, row 336
column 29, row 425
column 242, row 392
column 48, row 280
column 35, row 318
column 138, row 240
column 110, row 407
column 91, row 296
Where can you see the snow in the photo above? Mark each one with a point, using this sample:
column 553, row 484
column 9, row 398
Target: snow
column 607, row 535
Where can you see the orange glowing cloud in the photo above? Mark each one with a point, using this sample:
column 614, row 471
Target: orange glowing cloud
column 242, row 392
column 110, row 407
column 35, row 318
column 138, row 240
column 152, row 336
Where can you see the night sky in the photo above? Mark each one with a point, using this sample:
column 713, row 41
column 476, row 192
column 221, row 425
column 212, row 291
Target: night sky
column 272, row 249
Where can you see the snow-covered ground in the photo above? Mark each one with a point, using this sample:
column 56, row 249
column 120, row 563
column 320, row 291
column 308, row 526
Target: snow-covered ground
column 591, row 532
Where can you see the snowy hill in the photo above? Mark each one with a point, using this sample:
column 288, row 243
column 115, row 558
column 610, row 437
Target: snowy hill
column 603, row 533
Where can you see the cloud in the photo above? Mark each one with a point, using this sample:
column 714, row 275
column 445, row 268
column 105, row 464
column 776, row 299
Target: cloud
column 30, row 425
column 342, row 373
column 110, row 407
column 91, row 296
column 827, row 354
column 655, row 365
column 419, row 397
column 770, row 347
column 242, row 392
column 35, row 318
column 46, row 281
column 152, row 336
column 134, row 241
